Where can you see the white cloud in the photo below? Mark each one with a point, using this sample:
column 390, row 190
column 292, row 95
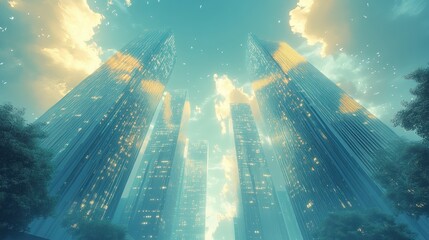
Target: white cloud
column 227, row 93
column 61, row 45
column 224, row 87
column 359, row 27
column 308, row 17
column 222, row 207
column 365, row 47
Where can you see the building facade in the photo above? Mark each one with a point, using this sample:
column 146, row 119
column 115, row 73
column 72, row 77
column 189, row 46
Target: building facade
column 324, row 141
column 260, row 209
column 153, row 198
column 96, row 131
column 190, row 217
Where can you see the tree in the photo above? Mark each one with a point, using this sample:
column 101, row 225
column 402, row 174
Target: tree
column 404, row 174
column 24, row 172
column 349, row 225
column 83, row 228
column 95, row 230
column 415, row 116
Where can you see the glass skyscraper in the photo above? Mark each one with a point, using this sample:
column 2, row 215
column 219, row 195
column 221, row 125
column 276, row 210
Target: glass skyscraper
column 260, row 212
column 96, row 131
column 325, row 142
column 153, row 198
column 191, row 212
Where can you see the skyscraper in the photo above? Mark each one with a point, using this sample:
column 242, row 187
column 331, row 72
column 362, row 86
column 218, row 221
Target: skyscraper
column 95, row 132
column 260, row 209
column 153, row 198
column 189, row 220
column 324, row 140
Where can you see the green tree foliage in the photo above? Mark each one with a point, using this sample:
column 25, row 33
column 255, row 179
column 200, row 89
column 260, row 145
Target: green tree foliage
column 95, row 230
column 415, row 116
column 404, row 174
column 82, row 228
column 24, row 171
column 348, row 225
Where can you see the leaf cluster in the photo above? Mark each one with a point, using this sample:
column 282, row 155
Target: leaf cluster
column 404, row 174
column 415, row 116
column 352, row 225
column 25, row 171
column 82, row 228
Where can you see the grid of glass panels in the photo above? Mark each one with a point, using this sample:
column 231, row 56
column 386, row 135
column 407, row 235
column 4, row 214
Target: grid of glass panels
column 151, row 205
column 262, row 217
column 96, row 131
column 191, row 211
column 324, row 140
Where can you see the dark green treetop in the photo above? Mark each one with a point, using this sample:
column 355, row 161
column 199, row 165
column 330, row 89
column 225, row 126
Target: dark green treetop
column 25, row 171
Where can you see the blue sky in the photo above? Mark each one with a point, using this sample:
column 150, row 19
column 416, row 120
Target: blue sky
column 366, row 47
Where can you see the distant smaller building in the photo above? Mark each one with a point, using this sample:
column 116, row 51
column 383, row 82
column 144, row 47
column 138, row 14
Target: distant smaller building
column 260, row 215
column 191, row 211
column 151, row 204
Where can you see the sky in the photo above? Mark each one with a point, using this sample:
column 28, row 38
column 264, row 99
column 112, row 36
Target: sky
column 367, row 47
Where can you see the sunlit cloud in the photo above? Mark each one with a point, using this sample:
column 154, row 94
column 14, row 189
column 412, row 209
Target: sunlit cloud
column 224, row 87
column 152, row 87
column 60, row 45
column 227, row 93
column 226, row 200
column 365, row 47
column 348, row 26
column 316, row 21
column 298, row 22
column 223, row 206
column 73, row 48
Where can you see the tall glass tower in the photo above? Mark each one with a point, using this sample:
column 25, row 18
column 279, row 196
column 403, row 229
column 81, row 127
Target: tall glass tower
column 153, row 198
column 261, row 212
column 324, row 140
column 95, row 132
column 191, row 212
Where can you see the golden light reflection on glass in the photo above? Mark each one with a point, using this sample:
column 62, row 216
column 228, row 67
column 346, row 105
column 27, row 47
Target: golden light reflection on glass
column 286, row 52
column 185, row 120
column 264, row 82
column 371, row 116
column 167, row 110
column 124, row 64
column 152, row 87
column 348, row 105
